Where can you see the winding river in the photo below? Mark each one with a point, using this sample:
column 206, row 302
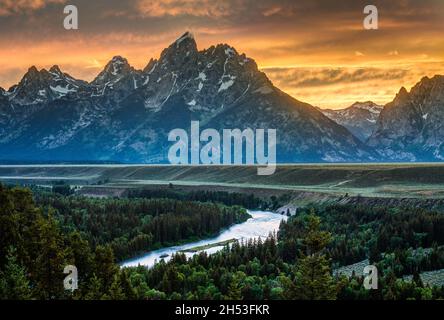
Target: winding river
column 259, row 225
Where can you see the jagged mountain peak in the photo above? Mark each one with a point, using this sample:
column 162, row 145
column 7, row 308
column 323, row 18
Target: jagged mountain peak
column 186, row 39
column 150, row 66
column 32, row 74
column 41, row 86
column 208, row 80
column 427, row 84
column 118, row 78
column 360, row 118
column 32, row 71
column 115, row 69
column 363, row 104
column 400, row 97
column 119, row 62
column 226, row 49
column 55, row 69
column 436, row 78
column 180, row 52
column 58, row 75
column 402, row 92
column 183, row 44
column 222, row 50
column 126, row 114
column 369, row 106
column 411, row 127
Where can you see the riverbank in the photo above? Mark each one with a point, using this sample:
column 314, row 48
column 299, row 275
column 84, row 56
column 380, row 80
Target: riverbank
column 260, row 225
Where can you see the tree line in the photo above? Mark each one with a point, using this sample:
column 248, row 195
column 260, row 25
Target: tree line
column 135, row 225
column 38, row 239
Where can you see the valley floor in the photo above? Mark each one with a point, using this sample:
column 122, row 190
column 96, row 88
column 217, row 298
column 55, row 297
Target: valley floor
column 423, row 180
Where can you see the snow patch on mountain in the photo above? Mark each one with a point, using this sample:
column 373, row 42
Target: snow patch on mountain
column 125, row 114
column 360, row 118
column 226, row 85
column 62, row 91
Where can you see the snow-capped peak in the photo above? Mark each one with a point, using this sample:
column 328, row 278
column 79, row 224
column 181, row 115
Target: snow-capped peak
column 41, row 86
column 360, row 118
column 117, row 65
column 114, row 71
column 369, row 106
column 179, row 50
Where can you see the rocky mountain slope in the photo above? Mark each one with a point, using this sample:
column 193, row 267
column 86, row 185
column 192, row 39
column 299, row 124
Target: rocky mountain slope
column 124, row 115
column 360, row 118
column 411, row 127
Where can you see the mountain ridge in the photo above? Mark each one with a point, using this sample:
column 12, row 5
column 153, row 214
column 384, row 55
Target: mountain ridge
column 360, row 118
column 124, row 114
column 410, row 128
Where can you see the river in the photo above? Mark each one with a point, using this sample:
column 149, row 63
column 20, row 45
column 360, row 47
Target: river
column 259, row 225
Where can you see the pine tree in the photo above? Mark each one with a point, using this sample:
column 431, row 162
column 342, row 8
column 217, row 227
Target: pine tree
column 94, row 289
column 127, row 288
column 313, row 275
column 234, row 290
column 50, row 261
column 104, row 266
column 14, row 284
column 314, row 280
column 115, row 291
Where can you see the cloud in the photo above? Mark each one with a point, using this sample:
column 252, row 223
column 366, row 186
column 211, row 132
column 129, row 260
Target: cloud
column 340, row 87
column 208, row 8
column 317, row 77
column 11, row 7
column 272, row 11
column 319, row 36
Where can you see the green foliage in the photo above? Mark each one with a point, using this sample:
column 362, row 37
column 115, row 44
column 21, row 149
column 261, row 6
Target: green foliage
column 296, row 263
column 249, row 201
column 133, row 226
column 313, row 276
column 365, row 232
column 14, row 283
column 63, row 189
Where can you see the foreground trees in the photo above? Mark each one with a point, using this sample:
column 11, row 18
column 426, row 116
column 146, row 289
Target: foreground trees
column 14, row 283
column 37, row 243
column 136, row 225
column 34, row 252
column 313, row 276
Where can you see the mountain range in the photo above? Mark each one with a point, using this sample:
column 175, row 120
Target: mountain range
column 125, row 114
column 411, row 127
column 360, row 118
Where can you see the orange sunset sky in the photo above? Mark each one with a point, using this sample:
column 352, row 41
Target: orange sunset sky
column 315, row 50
